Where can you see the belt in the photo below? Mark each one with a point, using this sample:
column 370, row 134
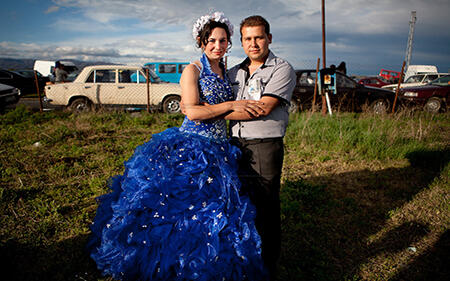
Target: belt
column 254, row 141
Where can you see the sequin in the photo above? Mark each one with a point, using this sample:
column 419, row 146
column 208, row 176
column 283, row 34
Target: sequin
column 213, row 90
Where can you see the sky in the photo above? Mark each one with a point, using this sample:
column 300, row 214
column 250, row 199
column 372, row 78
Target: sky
column 368, row 35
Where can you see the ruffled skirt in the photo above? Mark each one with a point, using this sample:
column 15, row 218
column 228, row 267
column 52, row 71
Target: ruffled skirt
column 176, row 214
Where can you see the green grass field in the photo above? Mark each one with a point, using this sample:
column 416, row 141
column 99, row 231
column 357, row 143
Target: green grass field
column 364, row 197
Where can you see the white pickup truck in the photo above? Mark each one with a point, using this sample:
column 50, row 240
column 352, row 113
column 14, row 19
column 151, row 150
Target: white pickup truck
column 416, row 80
column 114, row 86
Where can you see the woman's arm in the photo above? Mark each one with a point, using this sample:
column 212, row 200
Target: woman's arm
column 194, row 111
column 268, row 103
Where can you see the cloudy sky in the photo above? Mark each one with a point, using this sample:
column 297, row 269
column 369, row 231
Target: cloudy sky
column 366, row 34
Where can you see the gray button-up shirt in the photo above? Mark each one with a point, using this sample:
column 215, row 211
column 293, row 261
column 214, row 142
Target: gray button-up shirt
column 276, row 78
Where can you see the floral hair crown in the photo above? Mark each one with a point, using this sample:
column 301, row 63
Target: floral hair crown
column 217, row 16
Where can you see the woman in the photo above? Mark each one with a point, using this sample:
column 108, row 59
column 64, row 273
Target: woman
column 176, row 212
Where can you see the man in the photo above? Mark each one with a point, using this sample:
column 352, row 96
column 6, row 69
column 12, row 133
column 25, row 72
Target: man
column 60, row 73
column 265, row 77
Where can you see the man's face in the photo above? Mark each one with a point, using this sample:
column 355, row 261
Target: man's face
column 256, row 42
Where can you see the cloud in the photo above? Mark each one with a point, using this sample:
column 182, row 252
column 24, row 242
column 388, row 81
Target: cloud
column 52, row 9
column 365, row 33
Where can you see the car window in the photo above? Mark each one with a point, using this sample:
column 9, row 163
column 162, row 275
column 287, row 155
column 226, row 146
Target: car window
column 5, row 75
column 153, row 77
column 443, row 81
column 306, row 79
column 430, row 78
column 102, row 76
column 344, row 82
column 167, row 68
column 414, row 79
column 181, row 67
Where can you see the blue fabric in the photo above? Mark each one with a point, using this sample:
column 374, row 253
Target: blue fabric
column 176, row 212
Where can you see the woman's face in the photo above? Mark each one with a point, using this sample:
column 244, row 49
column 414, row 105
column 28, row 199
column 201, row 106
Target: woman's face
column 217, row 44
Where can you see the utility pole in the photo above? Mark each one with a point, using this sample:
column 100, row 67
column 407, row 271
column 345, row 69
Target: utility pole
column 324, row 61
column 412, row 23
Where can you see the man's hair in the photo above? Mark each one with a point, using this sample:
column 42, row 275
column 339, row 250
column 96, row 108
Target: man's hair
column 255, row 21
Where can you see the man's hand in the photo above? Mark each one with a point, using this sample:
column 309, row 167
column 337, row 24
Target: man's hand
column 251, row 107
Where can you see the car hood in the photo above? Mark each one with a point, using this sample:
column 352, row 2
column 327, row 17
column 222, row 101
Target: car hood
column 380, row 90
column 421, row 88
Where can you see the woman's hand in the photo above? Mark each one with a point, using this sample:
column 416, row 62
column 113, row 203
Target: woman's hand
column 252, row 107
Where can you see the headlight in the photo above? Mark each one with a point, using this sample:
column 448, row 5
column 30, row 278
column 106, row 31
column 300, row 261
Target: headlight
column 410, row 94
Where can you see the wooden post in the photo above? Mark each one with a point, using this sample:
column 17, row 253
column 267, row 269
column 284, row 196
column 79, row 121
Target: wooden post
column 398, row 87
column 148, row 89
column 313, row 109
column 41, row 107
column 324, row 107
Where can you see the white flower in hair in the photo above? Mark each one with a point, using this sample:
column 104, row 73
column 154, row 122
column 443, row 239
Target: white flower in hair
column 202, row 21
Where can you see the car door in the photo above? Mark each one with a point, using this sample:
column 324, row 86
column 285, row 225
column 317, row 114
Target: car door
column 132, row 87
column 105, row 87
column 344, row 98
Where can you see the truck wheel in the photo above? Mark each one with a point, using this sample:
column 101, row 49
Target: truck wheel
column 80, row 105
column 433, row 105
column 172, row 105
column 379, row 106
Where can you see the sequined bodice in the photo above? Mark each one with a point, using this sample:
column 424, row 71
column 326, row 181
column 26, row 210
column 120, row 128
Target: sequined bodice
column 213, row 90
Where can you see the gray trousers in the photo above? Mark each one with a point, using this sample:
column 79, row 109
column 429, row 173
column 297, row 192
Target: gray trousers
column 260, row 173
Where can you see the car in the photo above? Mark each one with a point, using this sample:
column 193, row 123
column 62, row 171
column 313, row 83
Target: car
column 8, row 95
column 390, row 75
column 168, row 71
column 24, row 82
column 416, row 80
column 433, row 97
column 350, row 96
column 377, row 82
column 120, row 86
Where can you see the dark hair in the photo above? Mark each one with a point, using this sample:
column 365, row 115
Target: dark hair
column 207, row 30
column 255, row 21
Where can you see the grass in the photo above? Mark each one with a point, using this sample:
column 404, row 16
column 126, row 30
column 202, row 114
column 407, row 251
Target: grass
column 364, row 197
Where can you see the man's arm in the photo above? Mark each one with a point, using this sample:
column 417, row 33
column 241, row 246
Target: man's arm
column 278, row 90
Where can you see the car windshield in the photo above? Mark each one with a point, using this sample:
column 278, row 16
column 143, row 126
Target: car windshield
column 383, row 79
column 443, row 81
column 155, row 78
column 414, row 79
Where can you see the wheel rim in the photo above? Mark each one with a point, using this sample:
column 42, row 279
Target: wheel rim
column 380, row 107
column 81, row 107
column 433, row 105
column 173, row 106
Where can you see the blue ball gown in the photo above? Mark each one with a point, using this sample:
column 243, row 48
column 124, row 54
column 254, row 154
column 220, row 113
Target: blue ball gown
column 176, row 213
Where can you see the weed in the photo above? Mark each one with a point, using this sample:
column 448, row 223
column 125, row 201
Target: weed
column 357, row 190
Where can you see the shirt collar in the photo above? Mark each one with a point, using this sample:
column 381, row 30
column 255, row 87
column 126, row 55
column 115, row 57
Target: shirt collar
column 270, row 61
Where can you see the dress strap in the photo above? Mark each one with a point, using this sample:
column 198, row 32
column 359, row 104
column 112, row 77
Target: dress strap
column 198, row 67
